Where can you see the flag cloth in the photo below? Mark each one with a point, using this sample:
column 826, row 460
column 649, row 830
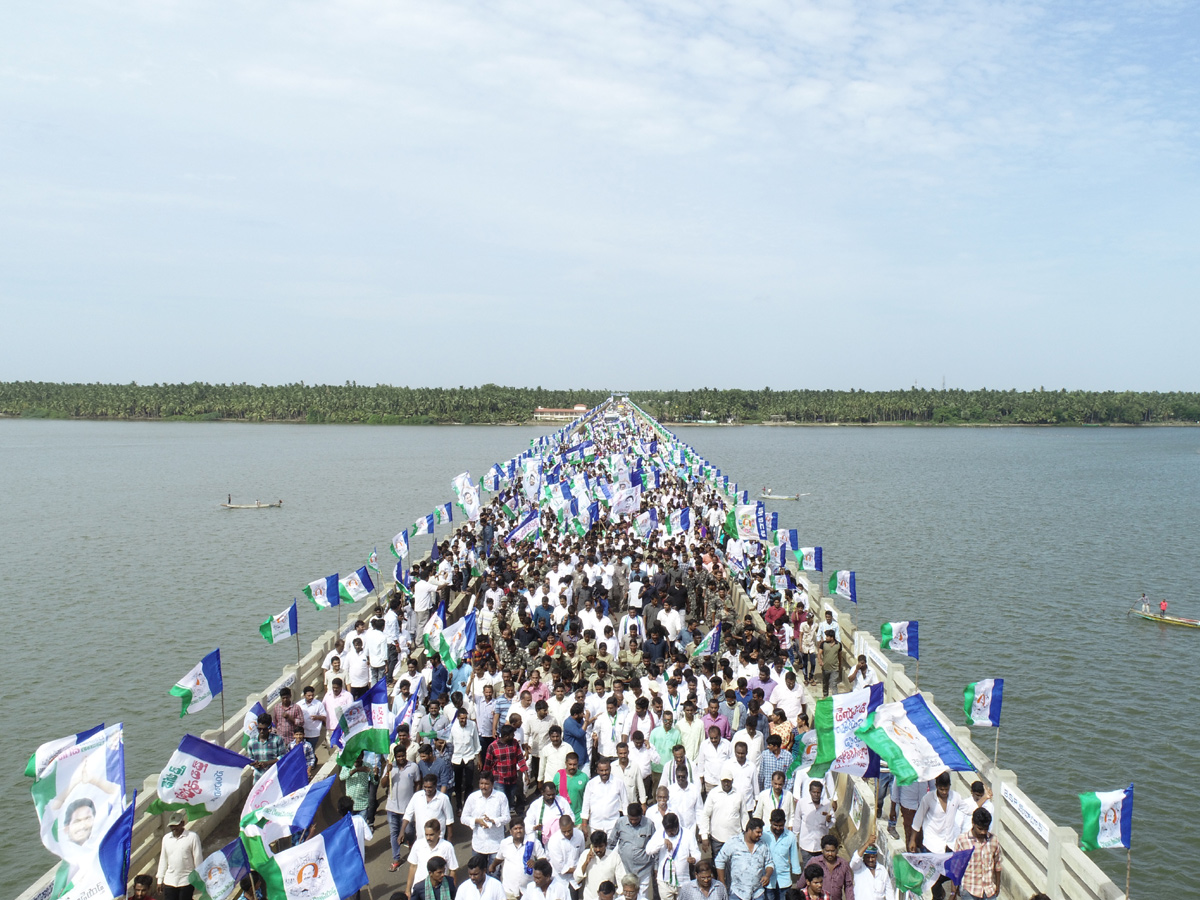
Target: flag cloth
column 809, row 559
column 323, row 592
column 356, row 586
column 1107, row 819
column 912, row 871
column 433, row 629
column 288, row 774
column 747, row 522
column 526, row 529
column 250, row 722
column 294, row 812
column 366, row 724
column 423, row 525
column 443, row 514
column 646, row 522
column 531, row 478
column 103, row 874
column 710, row 644
column 74, row 776
column 400, row 545
column 198, row 687
column 900, row 637
column 789, row 536
column 373, row 560
column 217, row 877
column 326, row 867
column 982, row 700
column 199, row 778
column 679, row 521
column 626, row 501
column 839, row 748
column 911, row 740
column 454, row 643
column 468, row 496
column 842, row 584
column 281, row 626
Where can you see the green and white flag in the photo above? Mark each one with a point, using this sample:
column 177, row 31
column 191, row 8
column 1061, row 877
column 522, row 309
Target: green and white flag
column 468, row 496
column 197, row 688
column 279, row 627
column 326, row 867
column 400, row 545
column 355, row 586
column 1107, row 819
column 218, row 876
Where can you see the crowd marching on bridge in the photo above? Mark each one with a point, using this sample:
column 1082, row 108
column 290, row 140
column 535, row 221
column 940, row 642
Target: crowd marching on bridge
column 608, row 723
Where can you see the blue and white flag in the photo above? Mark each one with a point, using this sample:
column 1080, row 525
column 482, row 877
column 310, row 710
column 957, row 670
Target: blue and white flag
column 680, row 521
column 444, row 513
column 288, row 774
column 841, row 583
column 406, row 714
column 402, row 577
column 909, row 738
column 373, row 560
column 809, row 559
column 323, row 592
column 250, row 722
column 710, row 644
column 1107, row 819
column 400, row 545
column 104, row 873
column 982, row 701
column 789, row 536
column 198, row 687
column 282, row 626
column 326, row 867
column 912, row 871
column 198, row 778
column 900, row 637
column 773, row 521
column 526, row 529
column 218, row 876
column 423, row 525
column 646, row 523
column 492, row 478
column 356, row 586
column 294, row 812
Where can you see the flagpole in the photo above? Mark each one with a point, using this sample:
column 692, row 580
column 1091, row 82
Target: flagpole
column 297, row 650
column 918, row 675
column 1128, row 868
column 996, row 754
column 222, row 715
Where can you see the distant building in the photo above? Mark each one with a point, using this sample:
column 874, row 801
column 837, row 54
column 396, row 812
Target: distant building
column 545, row 414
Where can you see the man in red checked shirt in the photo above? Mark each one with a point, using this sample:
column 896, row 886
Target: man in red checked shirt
column 506, row 764
column 287, row 716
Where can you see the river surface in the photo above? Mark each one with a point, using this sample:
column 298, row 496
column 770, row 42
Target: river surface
column 1018, row 551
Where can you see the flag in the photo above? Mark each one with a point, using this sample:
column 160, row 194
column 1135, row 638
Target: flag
column 1107, row 819
column 835, row 720
column 531, row 478
column 75, row 779
column 373, row 560
column 199, row 778
column 407, row 714
column 981, row 702
column 250, row 722
column 911, row 871
column 288, row 774
column 198, row 687
column 217, row 877
column 423, row 525
column 455, row 642
column 626, row 502
column 326, row 867
column 366, row 724
column 912, row 741
column 491, row 479
column 433, row 629
column 402, row 577
column 747, row 522
column 790, row 537
column 527, row 528
column 804, row 753
column 356, row 586
column 809, row 559
column 295, row 811
column 400, row 545
column 281, row 626
column 841, row 583
column 468, row 496
column 710, row 644
column 900, row 637
column 102, row 874
column 680, row 520
column 443, row 514
column 323, row 592
column 646, row 523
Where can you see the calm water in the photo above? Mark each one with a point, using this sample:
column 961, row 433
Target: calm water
column 1018, row 550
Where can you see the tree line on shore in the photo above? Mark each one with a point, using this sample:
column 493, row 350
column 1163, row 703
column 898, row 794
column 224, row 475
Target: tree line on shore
column 496, row 404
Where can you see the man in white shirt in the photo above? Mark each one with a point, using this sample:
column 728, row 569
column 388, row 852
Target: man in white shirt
column 685, row 799
column 814, row 818
column 598, row 865
column 677, row 851
column 542, row 819
column 753, row 739
column 486, row 813
column 630, row 773
column 515, row 860
column 604, row 800
column 424, row 592
column 179, row 855
column 862, row 675
column 724, row 815
column 429, row 803
column 935, row 826
column 791, row 696
column 565, row 847
column 545, row 884
column 479, row 885
column 314, row 716
column 714, row 753
column 425, row 849
column 375, row 646
column 745, row 775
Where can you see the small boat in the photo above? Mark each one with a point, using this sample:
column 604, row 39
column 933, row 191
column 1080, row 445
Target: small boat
column 255, row 505
column 767, row 495
column 1165, row 619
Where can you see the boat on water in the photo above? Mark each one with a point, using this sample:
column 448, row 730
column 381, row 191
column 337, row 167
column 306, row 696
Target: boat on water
column 1165, row 619
column 767, row 494
column 255, row 505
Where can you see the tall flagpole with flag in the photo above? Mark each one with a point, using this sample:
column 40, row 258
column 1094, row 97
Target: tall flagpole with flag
column 982, row 701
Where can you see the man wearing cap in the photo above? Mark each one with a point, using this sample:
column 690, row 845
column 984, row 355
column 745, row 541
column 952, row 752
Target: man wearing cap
column 724, row 814
column 179, row 857
column 870, row 879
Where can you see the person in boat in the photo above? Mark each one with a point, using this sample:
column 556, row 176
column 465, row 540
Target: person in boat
column 229, row 502
column 1162, row 607
column 1145, row 604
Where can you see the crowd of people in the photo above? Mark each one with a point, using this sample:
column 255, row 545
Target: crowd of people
column 604, row 735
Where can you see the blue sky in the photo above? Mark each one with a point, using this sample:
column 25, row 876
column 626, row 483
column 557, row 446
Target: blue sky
column 679, row 194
